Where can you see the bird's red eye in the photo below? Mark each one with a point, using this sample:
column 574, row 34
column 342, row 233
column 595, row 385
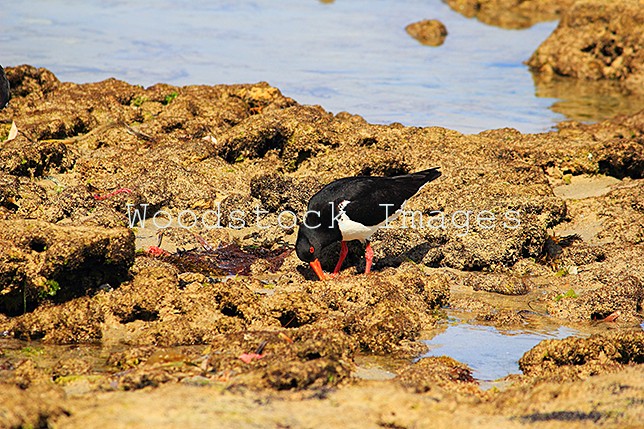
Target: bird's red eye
column 311, row 249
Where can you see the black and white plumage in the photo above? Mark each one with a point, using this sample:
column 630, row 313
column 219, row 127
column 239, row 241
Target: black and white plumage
column 5, row 94
column 354, row 208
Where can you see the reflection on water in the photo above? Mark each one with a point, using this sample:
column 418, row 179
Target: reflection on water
column 587, row 101
column 346, row 55
column 490, row 353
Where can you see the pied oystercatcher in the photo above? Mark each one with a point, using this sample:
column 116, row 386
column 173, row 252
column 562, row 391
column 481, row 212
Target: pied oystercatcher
column 354, row 208
column 5, row 95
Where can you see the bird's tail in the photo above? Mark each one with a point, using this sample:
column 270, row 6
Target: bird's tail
column 426, row 175
column 417, row 181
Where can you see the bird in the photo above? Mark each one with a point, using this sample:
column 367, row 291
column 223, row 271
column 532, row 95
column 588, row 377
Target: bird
column 354, row 208
column 5, row 95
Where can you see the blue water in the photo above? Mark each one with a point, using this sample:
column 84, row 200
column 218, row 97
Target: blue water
column 490, row 353
column 346, row 56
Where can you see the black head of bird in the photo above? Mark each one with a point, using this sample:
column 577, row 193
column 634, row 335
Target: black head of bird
column 312, row 238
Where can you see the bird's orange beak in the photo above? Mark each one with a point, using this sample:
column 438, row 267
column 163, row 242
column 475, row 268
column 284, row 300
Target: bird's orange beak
column 317, row 267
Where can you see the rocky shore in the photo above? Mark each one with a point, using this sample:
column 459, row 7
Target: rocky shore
column 184, row 323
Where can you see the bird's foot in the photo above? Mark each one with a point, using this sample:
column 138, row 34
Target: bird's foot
column 368, row 255
column 344, row 250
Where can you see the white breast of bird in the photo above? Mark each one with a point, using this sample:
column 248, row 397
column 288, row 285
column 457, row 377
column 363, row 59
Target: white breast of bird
column 352, row 230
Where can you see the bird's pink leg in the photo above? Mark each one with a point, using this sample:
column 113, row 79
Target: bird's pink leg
column 343, row 254
column 368, row 255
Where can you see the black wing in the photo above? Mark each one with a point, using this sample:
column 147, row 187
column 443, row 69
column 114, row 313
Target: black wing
column 5, row 94
column 371, row 198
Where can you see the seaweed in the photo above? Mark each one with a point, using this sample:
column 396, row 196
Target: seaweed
column 226, row 259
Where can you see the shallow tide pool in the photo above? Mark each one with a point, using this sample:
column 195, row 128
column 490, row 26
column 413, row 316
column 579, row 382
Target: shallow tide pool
column 490, row 353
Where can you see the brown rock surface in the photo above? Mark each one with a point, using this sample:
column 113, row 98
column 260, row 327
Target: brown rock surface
column 596, row 40
column 522, row 220
column 41, row 260
column 581, row 357
column 512, row 14
column 430, row 32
